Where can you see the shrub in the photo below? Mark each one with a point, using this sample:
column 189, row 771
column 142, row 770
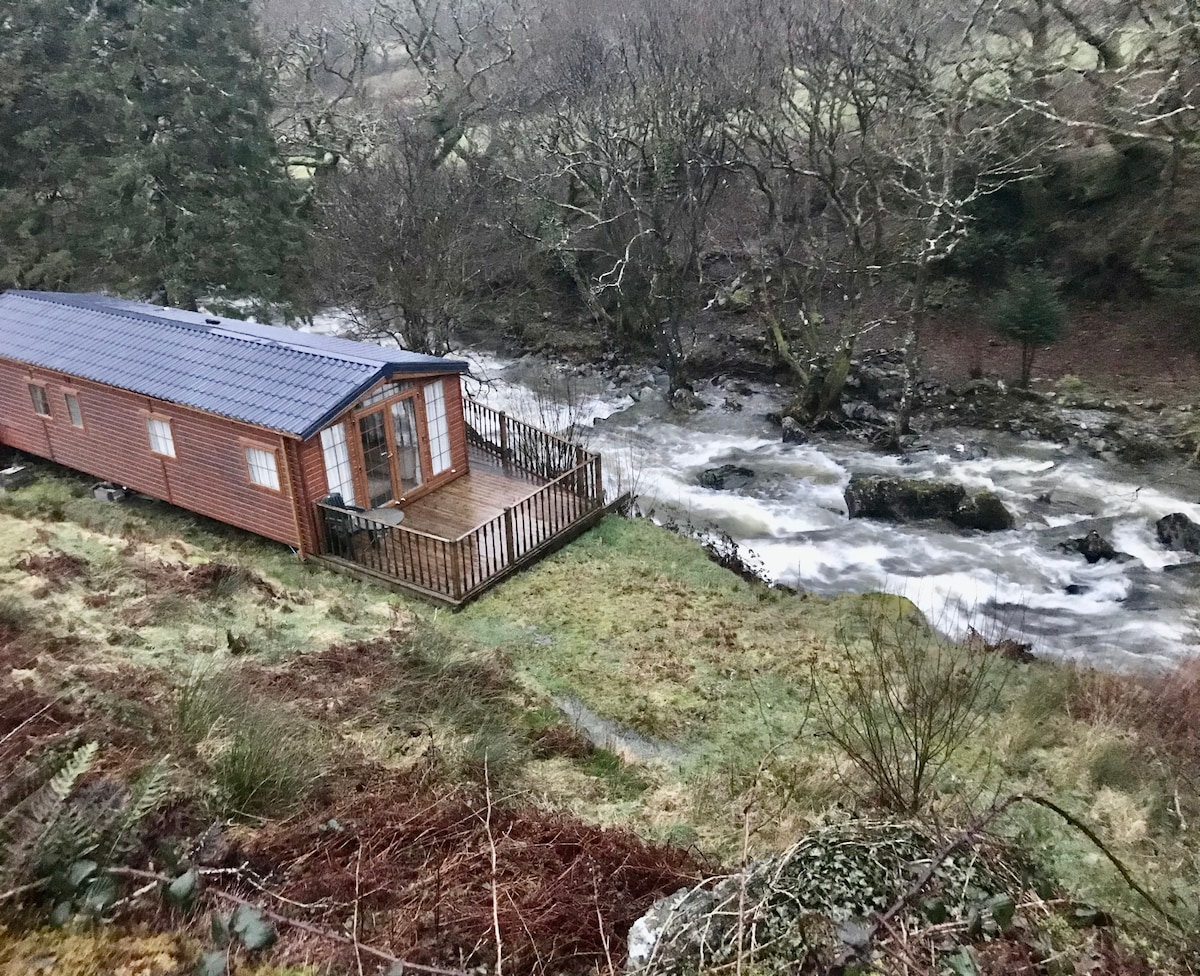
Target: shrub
column 1028, row 311
column 1164, row 709
column 906, row 702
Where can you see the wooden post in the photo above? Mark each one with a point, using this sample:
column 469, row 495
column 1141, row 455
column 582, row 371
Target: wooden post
column 504, row 437
column 456, row 590
column 510, row 537
column 599, row 486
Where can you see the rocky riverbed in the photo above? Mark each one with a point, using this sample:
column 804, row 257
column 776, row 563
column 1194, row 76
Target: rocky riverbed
column 1050, row 467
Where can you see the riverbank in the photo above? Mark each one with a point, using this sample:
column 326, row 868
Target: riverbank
column 324, row 734
column 1123, row 383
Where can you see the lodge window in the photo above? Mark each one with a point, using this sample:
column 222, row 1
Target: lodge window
column 73, row 410
column 383, row 392
column 439, row 429
column 41, row 404
column 339, row 475
column 161, row 441
column 264, row 471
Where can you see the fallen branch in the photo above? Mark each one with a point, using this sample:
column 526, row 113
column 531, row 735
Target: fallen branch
column 399, row 966
column 20, row 890
column 964, row 837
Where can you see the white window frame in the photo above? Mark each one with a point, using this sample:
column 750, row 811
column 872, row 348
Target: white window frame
column 40, row 399
column 438, row 428
column 262, row 466
column 75, row 412
column 162, row 438
column 339, row 472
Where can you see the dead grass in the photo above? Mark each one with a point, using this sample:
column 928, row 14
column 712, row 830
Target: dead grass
column 1162, row 710
column 416, row 859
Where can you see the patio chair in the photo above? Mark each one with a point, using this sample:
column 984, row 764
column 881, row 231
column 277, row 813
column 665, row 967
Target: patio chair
column 342, row 524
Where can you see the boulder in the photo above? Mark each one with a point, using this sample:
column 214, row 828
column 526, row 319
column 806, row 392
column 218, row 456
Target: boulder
column 728, row 477
column 1177, row 531
column 968, row 452
column 685, row 399
column 902, row 499
column 865, row 413
column 984, row 511
column 793, row 431
column 1093, row 547
column 814, row 901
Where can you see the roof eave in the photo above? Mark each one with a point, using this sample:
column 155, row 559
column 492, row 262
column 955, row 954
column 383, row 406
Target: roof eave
column 454, row 366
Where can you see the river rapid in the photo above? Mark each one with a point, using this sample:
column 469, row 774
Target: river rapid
column 1135, row 614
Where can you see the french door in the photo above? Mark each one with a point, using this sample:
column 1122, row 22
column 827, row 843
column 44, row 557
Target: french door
column 391, row 451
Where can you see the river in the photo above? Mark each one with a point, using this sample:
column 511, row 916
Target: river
column 1128, row 615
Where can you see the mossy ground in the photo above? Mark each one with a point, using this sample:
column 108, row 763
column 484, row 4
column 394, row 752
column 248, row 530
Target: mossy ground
column 634, row 622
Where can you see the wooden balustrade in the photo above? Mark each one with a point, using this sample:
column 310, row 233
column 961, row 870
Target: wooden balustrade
column 520, row 444
column 457, row 569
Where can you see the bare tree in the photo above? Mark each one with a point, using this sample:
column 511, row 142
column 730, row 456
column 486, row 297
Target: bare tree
column 404, row 240
column 628, row 159
column 888, row 135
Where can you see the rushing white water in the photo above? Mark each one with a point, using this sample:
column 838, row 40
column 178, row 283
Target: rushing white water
column 1135, row 613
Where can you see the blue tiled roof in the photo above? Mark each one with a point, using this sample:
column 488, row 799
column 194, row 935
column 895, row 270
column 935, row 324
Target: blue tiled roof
column 273, row 377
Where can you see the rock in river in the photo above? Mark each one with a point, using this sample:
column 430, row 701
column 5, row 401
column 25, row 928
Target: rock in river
column 1177, row 531
column 728, row 477
column 1093, row 547
column 984, row 511
column 902, row 499
column 909, row 499
column 793, row 432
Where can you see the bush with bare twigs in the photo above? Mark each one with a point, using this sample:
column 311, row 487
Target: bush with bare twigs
column 905, row 702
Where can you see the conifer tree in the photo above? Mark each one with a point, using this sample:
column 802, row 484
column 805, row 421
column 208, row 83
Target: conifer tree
column 145, row 160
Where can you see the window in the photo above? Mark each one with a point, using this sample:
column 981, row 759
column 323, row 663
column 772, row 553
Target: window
column 73, row 409
column 439, row 430
column 41, row 405
column 161, row 441
column 337, row 462
column 384, row 392
column 263, row 469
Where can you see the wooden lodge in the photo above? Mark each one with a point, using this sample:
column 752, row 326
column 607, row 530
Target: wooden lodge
column 371, row 460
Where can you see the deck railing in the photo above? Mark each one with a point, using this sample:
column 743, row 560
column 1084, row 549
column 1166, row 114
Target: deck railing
column 517, row 443
column 455, row 570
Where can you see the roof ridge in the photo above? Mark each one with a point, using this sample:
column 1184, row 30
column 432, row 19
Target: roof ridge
column 205, row 328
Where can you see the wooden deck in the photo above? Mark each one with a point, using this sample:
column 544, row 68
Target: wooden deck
column 526, row 493
column 476, row 498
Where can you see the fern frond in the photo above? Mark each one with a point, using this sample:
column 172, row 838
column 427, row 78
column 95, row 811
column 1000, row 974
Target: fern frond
column 32, row 819
column 146, row 795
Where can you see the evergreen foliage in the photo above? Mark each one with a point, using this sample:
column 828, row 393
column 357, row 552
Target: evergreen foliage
column 138, row 155
column 1028, row 311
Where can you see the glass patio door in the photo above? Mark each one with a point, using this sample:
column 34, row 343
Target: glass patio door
column 377, row 457
column 391, row 451
column 408, row 449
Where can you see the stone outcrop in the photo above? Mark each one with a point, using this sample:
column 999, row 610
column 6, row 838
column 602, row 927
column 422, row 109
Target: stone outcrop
column 728, row 477
column 1177, row 531
column 912, row 499
column 1093, row 547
